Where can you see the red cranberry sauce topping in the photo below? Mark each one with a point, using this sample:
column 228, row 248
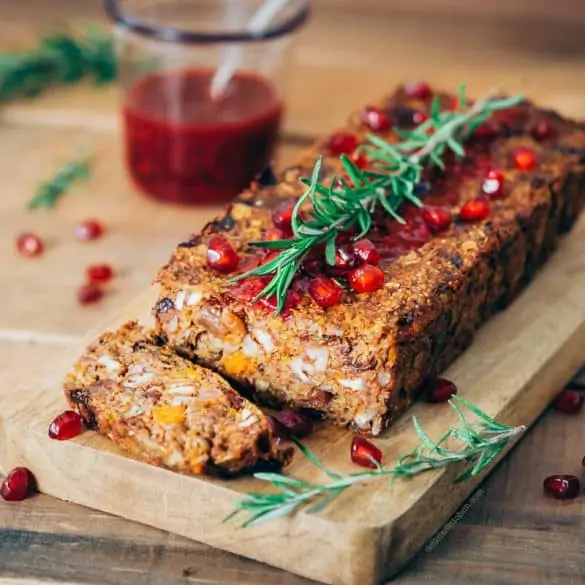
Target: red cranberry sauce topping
column 358, row 263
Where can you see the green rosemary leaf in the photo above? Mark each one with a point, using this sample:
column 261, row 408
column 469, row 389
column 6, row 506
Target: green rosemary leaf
column 315, row 461
column 277, row 479
column 330, row 252
column 50, row 191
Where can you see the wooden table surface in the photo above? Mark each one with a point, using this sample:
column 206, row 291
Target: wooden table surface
column 508, row 532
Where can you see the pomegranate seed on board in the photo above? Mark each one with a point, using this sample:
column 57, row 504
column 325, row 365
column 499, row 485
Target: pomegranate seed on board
column 66, row 426
column 524, row 159
column 543, row 129
column 90, row 229
column 342, row 143
column 17, row 485
column 568, row 401
column 29, row 245
column 366, row 279
column 325, row 291
column 476, row 209
column 376, row 119
column 562, row 486
column 364, row 453
column 493, row 184
column 89, row 294
column 295, row 423
column 221, row 256
column 438, row 219
column 366, row 251
column 99, row 273
column 418, row 90
column 441, row 391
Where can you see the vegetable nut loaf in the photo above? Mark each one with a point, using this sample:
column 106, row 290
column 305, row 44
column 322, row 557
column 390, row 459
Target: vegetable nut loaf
column 489, row 219
column 167, row 411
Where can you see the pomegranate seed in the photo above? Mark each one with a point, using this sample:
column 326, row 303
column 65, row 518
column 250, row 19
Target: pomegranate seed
column 90, row 229
column 367, row 252
column 419, row 90
column 296, row 424
column 29, row 245
column 562, row 487
column 325, row 291
column 453, row 104
column 441, row 391
column 543, row 129
column 345, row 258
column 248, row 264
column 366, row 278
column 419, row 117
column 89, row 293
column 292, row 300
column 524, row 159
column 360, row 160
column 487, row 131
column 282, row 217
column 249, row 288
column 342, row 143
column 221, row 256
column 376, row 119
column 364, row 453
column 66, row 426
column 568, row 401
column 493, row 184
column 99, row 273
column 438, row 219
column 477, row 209
column 17, row 485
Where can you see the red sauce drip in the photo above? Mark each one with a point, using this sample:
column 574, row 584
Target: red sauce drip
column 184, row 147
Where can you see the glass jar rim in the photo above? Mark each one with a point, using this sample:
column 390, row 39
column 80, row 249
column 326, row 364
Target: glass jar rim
column 177, row 35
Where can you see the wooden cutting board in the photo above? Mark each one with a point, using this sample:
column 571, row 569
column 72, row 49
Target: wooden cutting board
column 516, row 365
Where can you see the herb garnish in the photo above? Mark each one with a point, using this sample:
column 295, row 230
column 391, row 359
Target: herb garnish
column 58, row 59
column 50, row 191
column 482, row 441
column 344, row 204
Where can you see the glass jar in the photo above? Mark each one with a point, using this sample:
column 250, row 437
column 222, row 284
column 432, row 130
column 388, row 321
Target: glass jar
column 188, row 139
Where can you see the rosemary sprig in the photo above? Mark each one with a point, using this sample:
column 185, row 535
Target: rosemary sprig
column 51, row 190
column 61, row 58
column 395, row 172
column 481, row 442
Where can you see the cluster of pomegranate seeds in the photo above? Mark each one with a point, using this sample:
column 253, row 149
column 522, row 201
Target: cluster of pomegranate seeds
column 568, row 401
column 366, row 278
column 524, row 159
column 90, row 229
column 365, row 454
column 342, row 143
column 562, row 486
column 29, row 245
column 438, row 219
column 325, row 291
column 290, row 423
column 17, row 485
column 476, row 209
column 441, row 390
column 66, row 426
column 493, row 184
column 99, row 273
column 418, row 90
column 543, row 129
column 376, row 119
column 221, row 256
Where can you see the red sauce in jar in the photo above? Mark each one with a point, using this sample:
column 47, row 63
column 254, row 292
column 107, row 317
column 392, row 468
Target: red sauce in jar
column 184, row 147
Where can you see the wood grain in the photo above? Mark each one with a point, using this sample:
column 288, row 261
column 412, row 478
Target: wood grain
column 335, row 546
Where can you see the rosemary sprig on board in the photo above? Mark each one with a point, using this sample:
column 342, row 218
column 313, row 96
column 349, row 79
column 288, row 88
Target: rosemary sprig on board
column 61, row 58
column 50, row 191
column 480, row 443
column 395, row 172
